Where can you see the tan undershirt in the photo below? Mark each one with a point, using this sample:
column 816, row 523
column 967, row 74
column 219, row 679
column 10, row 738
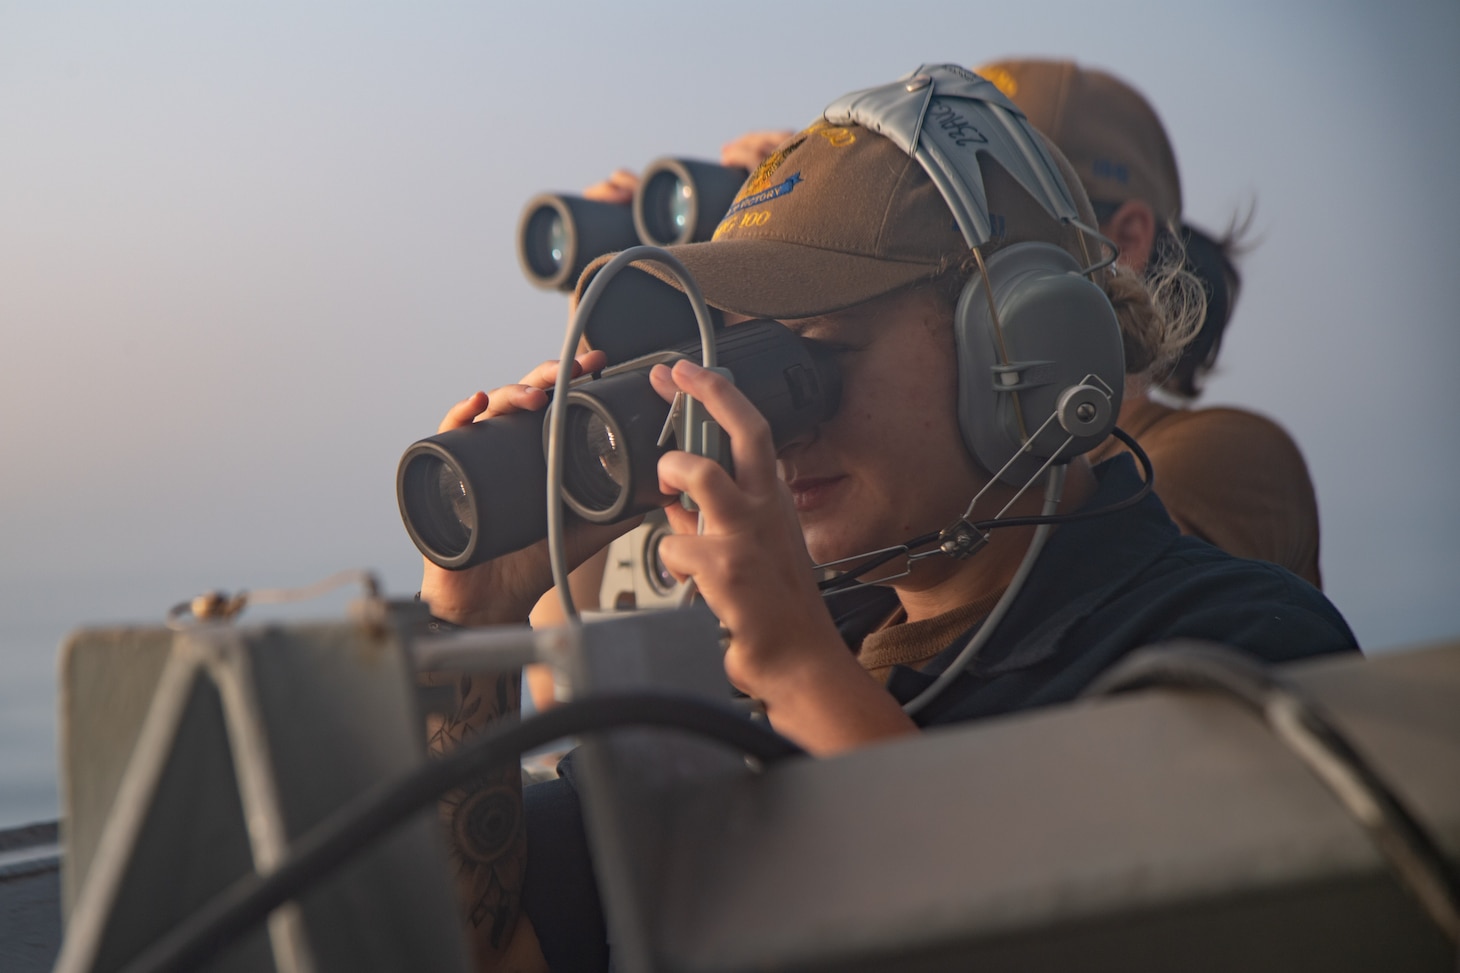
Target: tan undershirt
column 898, row 642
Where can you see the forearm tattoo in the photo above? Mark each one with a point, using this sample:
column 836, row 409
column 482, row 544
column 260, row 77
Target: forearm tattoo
column 486, row 835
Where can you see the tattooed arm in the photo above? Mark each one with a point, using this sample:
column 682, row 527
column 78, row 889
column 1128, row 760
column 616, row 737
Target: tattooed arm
column 484, row 821
column 484, row 824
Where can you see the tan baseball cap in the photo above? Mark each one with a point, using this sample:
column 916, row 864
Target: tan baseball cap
column 1108, row 131
column 839, row 215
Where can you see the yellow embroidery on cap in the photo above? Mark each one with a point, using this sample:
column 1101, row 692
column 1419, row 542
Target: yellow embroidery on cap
column 747, row 220
column 761, row 178
column 838, row 137
column 1001, row 79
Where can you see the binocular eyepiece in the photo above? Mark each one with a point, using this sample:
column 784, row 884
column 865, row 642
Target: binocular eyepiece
column 478, row 492
column 678, row 201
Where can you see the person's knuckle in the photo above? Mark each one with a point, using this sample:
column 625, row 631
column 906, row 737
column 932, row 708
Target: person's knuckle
column 716, row 382
column 700, row 477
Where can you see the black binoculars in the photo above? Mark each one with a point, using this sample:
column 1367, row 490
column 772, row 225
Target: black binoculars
column 678, row 201
column 477, row 492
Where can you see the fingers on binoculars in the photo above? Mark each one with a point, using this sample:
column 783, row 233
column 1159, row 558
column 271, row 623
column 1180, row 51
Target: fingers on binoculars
column 544, row 375
column 514, row 398
column 663, row 382
column 617, row 188
column 688, row 556
column 751, row 446
column 752, row 148
column 526, row 395
column 464, row 412
column 720, row 498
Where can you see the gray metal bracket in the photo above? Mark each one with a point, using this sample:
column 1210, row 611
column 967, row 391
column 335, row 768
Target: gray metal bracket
column 250, row 737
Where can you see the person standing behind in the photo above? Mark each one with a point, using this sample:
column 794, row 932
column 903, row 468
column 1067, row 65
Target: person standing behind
column 1226, row 475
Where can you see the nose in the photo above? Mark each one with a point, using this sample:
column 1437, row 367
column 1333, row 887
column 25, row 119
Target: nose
column 800, row 442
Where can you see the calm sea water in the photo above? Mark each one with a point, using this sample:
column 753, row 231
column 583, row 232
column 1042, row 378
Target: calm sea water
column 28, row 721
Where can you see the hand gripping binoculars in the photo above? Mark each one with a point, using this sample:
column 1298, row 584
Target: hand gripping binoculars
column 678, row 201
column 478, row 492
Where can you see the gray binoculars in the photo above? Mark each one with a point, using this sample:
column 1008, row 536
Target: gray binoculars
column 678, row 201
column 474, row 493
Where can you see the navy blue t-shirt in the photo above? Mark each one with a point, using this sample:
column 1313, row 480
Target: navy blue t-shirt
column 1101, row 589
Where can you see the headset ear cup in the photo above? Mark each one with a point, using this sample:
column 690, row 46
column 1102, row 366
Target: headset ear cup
column 1060, row 334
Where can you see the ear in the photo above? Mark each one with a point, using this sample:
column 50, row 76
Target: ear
column 1133, row 228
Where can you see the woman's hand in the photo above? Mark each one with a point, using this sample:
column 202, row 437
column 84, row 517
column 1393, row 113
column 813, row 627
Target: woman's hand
column 751, row 565
column 502, row 591
column 751, row 149
column 617, row 188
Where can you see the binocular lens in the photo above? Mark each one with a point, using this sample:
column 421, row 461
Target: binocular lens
column 597, row 468
column 667, row 209
column 446, row 519
column 680, row 199
column 475, row 492
column 545, row 242
column 558, row 236
column 659, row 577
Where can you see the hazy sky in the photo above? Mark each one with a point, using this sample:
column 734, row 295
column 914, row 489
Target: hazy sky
column 249, row 252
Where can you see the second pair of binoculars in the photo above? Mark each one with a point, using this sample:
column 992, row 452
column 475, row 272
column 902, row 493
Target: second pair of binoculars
column 678, row 201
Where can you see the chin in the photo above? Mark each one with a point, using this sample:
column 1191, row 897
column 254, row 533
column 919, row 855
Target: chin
column 826, row 546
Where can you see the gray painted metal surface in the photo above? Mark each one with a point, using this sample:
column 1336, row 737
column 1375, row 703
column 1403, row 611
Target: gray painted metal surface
column 629, row 777
column 252, row 736
column 1157, row 832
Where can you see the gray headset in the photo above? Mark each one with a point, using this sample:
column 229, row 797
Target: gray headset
column 1040, row 360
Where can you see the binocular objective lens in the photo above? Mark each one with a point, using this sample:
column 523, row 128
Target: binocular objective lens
column 597, row 470
column 547, row 241
column 680, row 197
column 444, row 514
column 666, row 207
column 557, row 241
column 454, row 502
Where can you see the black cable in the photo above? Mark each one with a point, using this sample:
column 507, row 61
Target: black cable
column 332, row 842
column 1148, row 472
column 1411, row 853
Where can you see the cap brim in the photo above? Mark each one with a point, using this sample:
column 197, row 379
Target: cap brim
column 773, row 279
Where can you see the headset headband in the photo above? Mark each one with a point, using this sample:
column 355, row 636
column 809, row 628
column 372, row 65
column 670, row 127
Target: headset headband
column 945, row 117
